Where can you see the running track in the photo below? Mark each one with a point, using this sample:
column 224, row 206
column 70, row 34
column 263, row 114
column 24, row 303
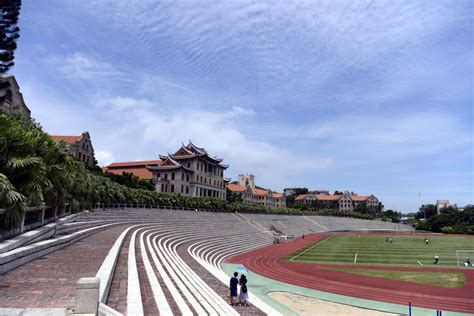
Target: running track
column 268, row 261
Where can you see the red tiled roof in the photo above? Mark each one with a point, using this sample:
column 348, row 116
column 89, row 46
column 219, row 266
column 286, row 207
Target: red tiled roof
column 328, row 197
column 300, row 197
column 278, row 195
column 259, row 192
column 67, row 139
column 235, row 187
column 140, row 172
column 359, row 198
column 134, row 163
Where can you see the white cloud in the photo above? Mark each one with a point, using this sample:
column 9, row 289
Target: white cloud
column 221, row 133
column 79, row 65
column 104, row 157
column 124, row 103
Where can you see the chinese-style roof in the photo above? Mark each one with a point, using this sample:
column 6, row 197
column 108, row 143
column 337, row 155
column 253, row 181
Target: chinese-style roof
column 67, row 139
column 134, row 163
column 187, row 152
column 183, row 151
column 235, row 187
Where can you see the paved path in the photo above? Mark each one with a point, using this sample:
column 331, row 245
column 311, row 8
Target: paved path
column 51, row 280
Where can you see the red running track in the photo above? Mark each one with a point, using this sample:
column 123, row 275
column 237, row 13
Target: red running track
column 268, row 261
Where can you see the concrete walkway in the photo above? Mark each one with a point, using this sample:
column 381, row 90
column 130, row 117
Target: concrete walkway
column 50, row 281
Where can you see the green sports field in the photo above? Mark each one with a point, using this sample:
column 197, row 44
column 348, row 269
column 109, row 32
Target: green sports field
column 374, row 250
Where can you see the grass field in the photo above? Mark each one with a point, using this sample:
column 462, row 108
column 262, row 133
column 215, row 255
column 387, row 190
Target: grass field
column 443, row 279
column 374, row 250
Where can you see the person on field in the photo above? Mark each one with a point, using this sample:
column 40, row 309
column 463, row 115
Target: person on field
column 390, row 239
column 427, row 242
column 436, row 259
column 244, row 295
column 303, row 236
column 386, row 239
column 233, row 288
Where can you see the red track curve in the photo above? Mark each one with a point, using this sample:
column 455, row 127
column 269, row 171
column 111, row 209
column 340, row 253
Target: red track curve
column 268, row 261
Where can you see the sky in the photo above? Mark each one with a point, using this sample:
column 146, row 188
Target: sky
column 374, row 97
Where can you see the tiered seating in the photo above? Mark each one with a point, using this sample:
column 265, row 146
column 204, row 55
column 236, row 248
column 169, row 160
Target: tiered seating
column 207, row 238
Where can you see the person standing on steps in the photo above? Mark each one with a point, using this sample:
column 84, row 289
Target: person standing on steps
column 244, row 295
column 233, row 288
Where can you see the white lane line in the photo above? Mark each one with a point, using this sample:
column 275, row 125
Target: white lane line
column 355, row 258
column 420, row 263
column 319, row 243
column 134, row 296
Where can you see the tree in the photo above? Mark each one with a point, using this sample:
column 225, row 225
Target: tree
column 9, row 32
column 233, row 197
column 299, row 191
column 426, row 211
column 338, row 192
column 392, row 216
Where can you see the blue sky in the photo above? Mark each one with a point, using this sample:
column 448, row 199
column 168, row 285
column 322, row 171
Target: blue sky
column 374, row 97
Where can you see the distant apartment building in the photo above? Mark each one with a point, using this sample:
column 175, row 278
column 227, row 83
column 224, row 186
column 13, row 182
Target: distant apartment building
column 258, row 196
column 246, row 180
column 137, row 168
column 440, row 204
column 80, row 146
column 345, row 202
column 11, row 99
column 190, row 171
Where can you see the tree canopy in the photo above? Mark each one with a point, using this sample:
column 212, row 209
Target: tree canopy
column 9, row 32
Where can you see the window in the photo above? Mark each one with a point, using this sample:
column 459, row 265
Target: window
column 187, row 177
column 189, row 164
column 182, row 188
column 172, row 188
column 162, row 188
column 166, row 176
column 187, row 189
column 172, row 176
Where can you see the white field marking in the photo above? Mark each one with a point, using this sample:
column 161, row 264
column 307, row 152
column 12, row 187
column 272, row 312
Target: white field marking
column 319, row 243
column 355, row 258
column 420, row 263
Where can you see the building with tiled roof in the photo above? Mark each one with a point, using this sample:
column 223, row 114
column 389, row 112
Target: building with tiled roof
column 137, row 168
column 345, row 202
column 80, row 146
column 190, row 171
column 11, row 99
column 258, row 196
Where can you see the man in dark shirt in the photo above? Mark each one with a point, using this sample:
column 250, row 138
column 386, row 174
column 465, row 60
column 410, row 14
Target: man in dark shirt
column 233, row 288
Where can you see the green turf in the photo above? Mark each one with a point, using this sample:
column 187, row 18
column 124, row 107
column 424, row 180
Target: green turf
column 442, row 279
column 373, row 249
